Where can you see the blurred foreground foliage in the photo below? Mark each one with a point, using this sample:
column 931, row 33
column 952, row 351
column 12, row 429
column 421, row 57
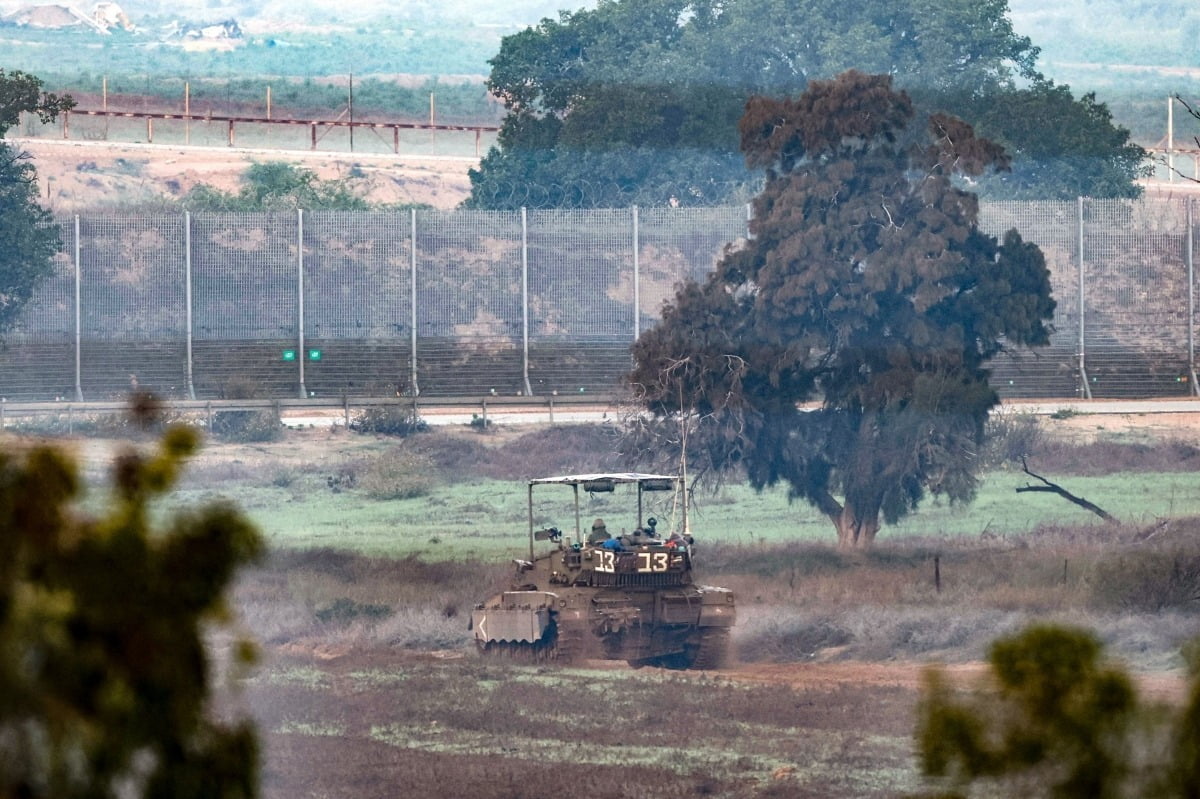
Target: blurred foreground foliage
column 104, row 676
column 1057, row 721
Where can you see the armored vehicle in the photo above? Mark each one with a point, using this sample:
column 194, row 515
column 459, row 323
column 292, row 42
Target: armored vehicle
column 624, row 594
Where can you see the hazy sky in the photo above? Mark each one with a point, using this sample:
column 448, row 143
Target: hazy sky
column 1163, row 32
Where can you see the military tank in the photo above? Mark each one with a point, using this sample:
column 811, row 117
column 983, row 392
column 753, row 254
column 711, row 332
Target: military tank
column 627, row 595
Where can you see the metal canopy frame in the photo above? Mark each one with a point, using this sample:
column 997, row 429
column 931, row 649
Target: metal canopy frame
column 611, row 478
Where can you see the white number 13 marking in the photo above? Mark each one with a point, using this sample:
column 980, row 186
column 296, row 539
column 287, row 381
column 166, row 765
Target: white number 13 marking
column 653, row 561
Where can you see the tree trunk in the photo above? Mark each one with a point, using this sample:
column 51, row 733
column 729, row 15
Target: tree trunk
column 854, row 532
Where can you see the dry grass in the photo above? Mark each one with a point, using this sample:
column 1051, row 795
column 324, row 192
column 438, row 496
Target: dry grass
column 349, row 728
column 553, row 450
column 369, row 687
column 1114, row 457
column 796, row 602
column 398, row 473
column 800, row 603
column 409, row 603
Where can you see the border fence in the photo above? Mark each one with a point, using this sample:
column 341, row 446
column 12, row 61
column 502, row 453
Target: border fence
column 518, row 303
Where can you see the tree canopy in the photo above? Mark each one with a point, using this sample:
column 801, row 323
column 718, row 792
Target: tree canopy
column 1057, row 721
column 278, row 186
column 29, row 238
column 1069, row 145
column 866, row 286
column 21, row 92
column 636, row 101
column 104, row 667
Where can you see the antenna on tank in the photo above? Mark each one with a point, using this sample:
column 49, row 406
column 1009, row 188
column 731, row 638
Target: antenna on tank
column 687, row 530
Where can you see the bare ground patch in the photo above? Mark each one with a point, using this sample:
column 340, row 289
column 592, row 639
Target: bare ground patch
column 78, row 176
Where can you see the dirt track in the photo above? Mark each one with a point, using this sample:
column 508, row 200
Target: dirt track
column 815, row 676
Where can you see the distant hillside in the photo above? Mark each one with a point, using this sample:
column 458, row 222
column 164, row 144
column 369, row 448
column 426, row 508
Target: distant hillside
column 1112, row 32
column 511, row 12
column 1132, row 53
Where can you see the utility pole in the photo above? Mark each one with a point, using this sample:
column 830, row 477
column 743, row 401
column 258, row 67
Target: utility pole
column 1170, row 140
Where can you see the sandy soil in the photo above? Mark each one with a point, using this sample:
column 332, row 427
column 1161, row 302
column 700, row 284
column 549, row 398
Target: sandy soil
column 79, row 175
column 1157, row 426
column 908, row 676
column 813, row 676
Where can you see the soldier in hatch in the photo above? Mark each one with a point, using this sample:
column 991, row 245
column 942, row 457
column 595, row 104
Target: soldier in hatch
column 599, row 533
column 643, row 535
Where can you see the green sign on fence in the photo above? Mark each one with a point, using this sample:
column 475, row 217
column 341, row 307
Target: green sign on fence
column 314, row 355
column 289, row 355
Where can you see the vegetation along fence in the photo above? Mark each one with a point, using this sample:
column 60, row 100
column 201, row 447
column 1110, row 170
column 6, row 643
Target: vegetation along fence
column 507, row 303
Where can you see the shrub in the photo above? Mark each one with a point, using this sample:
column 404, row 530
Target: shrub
column 398, row 474
column 389, row 420
column 1056, row 720
column 1149, row 580
column 105, row 667
column 343, row 610
column 151, row 419
column 246, row 426
column 1010, row 437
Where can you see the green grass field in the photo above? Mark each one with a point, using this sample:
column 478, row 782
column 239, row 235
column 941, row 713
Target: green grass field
column 487, row 519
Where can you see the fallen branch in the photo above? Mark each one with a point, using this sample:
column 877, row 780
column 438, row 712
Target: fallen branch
column 1054, row 488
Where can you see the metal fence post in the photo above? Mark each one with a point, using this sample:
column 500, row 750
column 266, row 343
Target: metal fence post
column 58, row 313
column 78, row 318
column 1170, row 139
column 300, row 354
column 1191, row 278
column 1083, row 377
column 187, row 294
column 637, row 286
column 525, row 301
column 414, row 388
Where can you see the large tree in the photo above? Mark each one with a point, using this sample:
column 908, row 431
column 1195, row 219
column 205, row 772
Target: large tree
column 1061, row 147
column 28, row 236
column 636, row 100
column 603, row 110
column 865, row 286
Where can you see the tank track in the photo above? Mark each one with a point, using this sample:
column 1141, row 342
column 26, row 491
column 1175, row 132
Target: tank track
column 712, row 650
column 560, row 646
column 709, row 649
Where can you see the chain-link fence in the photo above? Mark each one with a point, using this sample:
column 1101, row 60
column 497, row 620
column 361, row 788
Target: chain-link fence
column 1123, row 276
column 475, row 303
